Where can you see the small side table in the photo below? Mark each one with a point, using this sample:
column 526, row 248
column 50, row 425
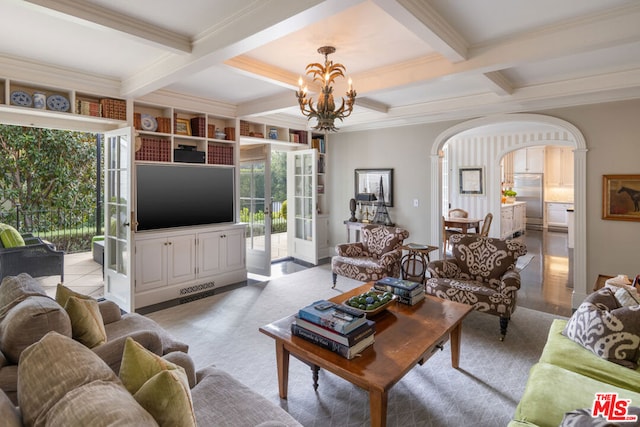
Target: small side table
column 414, row 263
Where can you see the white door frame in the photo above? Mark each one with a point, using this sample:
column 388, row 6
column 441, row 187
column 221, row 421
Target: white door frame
column 580, row 289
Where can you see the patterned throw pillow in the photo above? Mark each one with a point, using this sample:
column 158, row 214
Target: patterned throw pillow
column 583, row 418
column 627, row 296
column 606, row 329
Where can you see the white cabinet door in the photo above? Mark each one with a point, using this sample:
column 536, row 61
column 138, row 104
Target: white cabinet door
column 557, row 214
column 529, row 160
column 181, row 258
column 567, row 166
column 151, row 268
column 559, row 167
column 209, row 253
column 519, row 218
column 506, row 221
column 221, row 251
column 233, row 253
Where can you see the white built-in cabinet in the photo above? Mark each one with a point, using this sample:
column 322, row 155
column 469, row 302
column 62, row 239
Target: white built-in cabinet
column 513, row 219
column 171, row 264
column 529, row 160
column 556, row 214
column 559, row 167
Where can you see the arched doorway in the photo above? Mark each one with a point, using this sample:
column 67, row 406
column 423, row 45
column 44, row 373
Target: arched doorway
column 554, row 131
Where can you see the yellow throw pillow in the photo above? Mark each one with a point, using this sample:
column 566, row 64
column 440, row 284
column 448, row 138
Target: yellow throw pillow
column 87, row 326
column 159, row 386
column 63, row 294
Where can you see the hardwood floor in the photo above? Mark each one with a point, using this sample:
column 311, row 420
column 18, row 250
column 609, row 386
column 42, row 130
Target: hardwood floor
column 547, row 282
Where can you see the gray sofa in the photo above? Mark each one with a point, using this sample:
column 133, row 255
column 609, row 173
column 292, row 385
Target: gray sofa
column 78, row 388
column 27, row 314
column 61, row 379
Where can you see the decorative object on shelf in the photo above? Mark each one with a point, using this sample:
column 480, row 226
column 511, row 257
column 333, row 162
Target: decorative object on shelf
column 21, row 99
column 183, row 127
column 325, row 110
column 39, row 100
column 138, row 141
column 220, row 134
column 367, row 198
column 273, row 133
column 58, row 103
column 352, row 208
column 471, row 180
column 114, row 108
column 382, row 215
column 148, row 122
column 621, row 197
column 367, row 181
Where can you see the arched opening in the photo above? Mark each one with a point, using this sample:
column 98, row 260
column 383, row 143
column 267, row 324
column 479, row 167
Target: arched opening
column 550, row 131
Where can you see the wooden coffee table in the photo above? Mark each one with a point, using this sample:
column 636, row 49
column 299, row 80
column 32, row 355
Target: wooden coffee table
column 405, row 336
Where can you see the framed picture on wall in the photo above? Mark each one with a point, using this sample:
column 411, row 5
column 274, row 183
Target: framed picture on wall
column 370, row 182
column 471, row 180
column 621, row 197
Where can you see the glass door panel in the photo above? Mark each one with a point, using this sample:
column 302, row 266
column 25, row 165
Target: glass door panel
column 255, row 210
column 117, row 251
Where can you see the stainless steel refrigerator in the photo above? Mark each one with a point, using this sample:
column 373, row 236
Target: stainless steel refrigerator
column 529, row 188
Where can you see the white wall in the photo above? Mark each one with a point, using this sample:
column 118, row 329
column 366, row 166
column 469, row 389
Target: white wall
column 612, row 137
column 406, row 151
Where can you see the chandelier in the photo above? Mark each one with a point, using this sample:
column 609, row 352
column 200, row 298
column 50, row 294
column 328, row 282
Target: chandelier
column 325, row 109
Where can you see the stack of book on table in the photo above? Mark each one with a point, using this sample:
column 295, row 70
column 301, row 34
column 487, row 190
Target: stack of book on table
column 408, row 292
column 335, row 327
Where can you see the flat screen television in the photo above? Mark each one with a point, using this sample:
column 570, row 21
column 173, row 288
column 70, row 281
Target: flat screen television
column 183, row 195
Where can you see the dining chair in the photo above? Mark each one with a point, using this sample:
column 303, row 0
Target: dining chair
column 486, row 225
column 458, row 213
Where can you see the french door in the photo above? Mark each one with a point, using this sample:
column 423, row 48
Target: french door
column 118, row 217
column 255, row 209
column 301, row 205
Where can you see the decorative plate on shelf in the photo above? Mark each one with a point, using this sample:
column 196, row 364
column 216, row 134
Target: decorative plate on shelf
column 20, row 98
column 148, row 122
column 57, row 103
column 373, row 302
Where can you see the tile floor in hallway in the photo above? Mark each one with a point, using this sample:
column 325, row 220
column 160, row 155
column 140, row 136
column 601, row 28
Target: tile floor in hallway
column 547, row 281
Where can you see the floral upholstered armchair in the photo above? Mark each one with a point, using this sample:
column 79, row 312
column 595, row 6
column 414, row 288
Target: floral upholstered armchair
column 481, row 274
column 376, row 256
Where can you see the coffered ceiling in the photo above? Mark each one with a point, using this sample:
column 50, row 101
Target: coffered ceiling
column 411, row 61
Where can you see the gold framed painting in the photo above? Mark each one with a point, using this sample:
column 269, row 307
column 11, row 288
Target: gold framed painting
column 621, row 197
column 183, row 127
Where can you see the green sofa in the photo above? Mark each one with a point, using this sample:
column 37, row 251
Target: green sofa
column 566, row 378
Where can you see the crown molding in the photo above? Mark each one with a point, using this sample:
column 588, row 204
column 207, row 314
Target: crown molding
column 41, row 74
column 106, row 18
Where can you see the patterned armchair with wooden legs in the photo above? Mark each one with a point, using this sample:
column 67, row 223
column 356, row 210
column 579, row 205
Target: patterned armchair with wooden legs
column 376, row 256
column 481, row 274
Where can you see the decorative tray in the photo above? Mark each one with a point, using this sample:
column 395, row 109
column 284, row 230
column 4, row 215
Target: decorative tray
column 378, row 301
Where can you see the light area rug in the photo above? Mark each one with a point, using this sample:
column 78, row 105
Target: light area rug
column 223, row 330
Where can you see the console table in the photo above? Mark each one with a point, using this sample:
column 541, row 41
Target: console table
column 355, row 227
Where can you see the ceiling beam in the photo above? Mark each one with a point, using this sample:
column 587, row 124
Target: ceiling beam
column 597, row 31
column 589, row 90
column 498, row 83
column 252, row 27
column 106, row 18
column 423, row 20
